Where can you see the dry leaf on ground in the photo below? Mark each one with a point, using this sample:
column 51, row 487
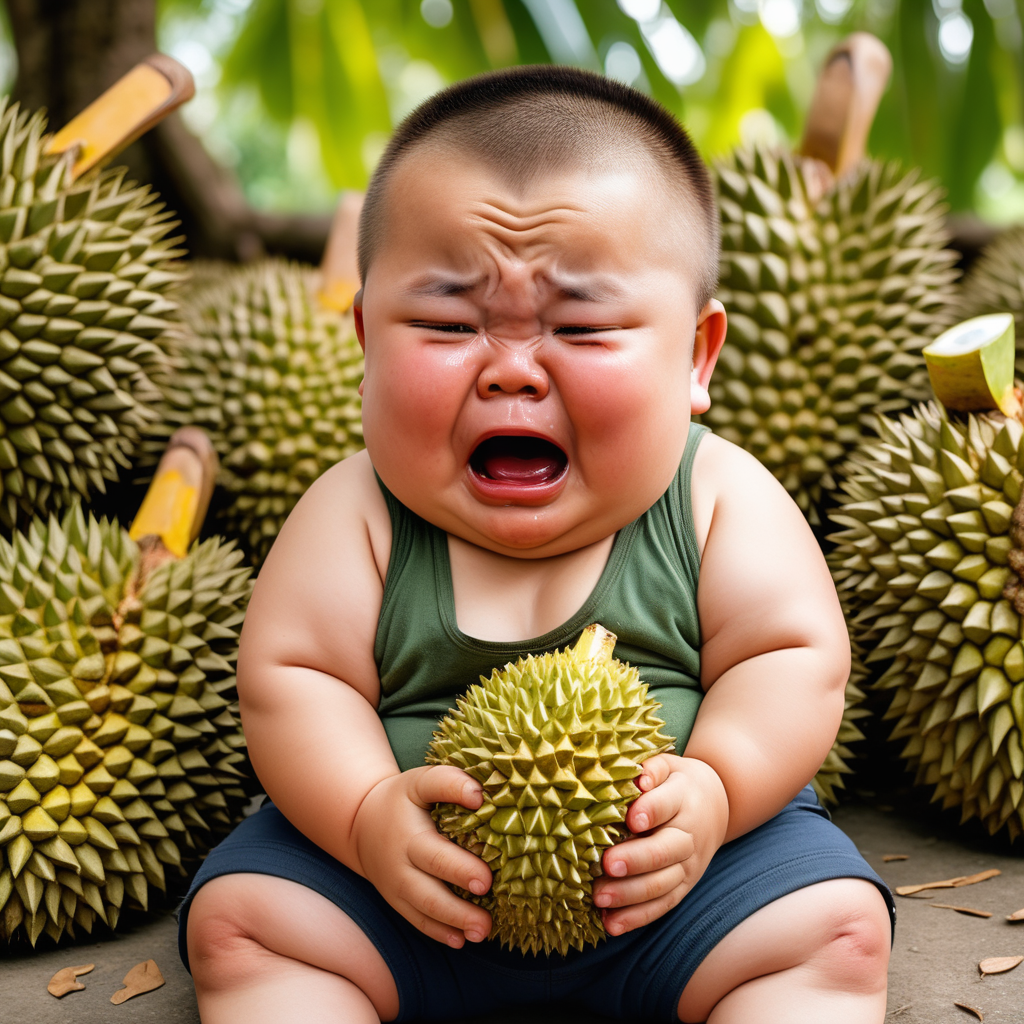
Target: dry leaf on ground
column 949, row 883
column 1017, row 915
column 971, row 1009
column 999, row 964
column 64, row 981
column 141, row 978
column 962, row 910
column 887, row 857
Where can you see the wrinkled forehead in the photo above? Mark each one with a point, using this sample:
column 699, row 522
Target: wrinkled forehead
column 608, row 206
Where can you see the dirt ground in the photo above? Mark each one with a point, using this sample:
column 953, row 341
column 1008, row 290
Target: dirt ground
column 934, row 961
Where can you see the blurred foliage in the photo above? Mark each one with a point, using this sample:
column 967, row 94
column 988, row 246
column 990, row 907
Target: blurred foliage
column 300, row 94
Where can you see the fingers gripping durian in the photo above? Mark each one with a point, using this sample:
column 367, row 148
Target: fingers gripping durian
column 272, row 375
column 85, row 268
column 929, row 565
column 556, row 741
column 120, row 744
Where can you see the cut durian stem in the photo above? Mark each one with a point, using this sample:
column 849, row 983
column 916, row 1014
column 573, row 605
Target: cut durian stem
column 339, row 270
column 179, row 495
column 596, row 644
column 128, row 109
column 849, row 89
column 970, row 365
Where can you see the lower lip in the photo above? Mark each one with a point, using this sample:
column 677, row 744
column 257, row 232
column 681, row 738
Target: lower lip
column 505, row 492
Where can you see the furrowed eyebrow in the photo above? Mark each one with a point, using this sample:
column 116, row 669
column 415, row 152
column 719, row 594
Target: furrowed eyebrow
column 443, row 287
column 585, row 290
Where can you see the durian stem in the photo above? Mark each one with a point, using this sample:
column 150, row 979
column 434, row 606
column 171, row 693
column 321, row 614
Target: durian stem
column 179, row 495
column 847, row 95
column 596, row 644
column 339, row 270
column 128, row 109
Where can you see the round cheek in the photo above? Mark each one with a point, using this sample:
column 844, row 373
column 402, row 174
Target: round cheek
column 410, row 402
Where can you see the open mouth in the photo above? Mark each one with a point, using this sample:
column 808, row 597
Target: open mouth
column 519, row 461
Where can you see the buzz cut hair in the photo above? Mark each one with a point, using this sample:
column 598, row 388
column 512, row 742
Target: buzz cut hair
column 526, row 120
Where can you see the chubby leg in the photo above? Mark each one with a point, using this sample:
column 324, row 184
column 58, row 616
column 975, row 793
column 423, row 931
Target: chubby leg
column 819, row 954
column 265, row 949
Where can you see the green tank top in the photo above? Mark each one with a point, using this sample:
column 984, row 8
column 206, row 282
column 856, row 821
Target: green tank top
column 646, row 595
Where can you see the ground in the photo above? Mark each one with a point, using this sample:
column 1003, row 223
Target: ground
column 934, row 962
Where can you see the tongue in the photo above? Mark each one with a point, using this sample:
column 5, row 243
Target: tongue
column 511, row 469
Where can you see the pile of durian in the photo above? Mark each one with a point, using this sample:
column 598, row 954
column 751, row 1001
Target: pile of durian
column 927, row 565
column 831, row 296
column 555, row 741
column 120, row 743
column 272, row 374
column 85, row 271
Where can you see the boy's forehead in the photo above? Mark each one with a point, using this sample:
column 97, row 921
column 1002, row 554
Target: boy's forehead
column 442, row 199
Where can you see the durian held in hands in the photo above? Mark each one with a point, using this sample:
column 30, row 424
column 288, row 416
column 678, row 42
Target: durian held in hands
column 86, row 267
column 556, row 741
column 930, row 566
column 834, row 276
column 121, row 750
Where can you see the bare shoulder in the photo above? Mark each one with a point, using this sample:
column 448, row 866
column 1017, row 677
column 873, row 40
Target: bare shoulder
column 318, row 595
column 725, row 475
column 764, row 584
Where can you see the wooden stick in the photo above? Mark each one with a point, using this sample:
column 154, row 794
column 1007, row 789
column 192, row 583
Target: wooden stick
column 339, row 269
column 128, row 109
column 849, row 89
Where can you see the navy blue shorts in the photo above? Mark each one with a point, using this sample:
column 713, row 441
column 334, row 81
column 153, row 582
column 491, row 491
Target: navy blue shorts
column 637, row 975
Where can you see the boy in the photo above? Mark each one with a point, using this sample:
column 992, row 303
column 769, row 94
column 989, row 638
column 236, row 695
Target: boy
column 538, row 252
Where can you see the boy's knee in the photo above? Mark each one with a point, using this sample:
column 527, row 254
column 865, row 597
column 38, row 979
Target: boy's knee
column 855, row 953
column 221, row 952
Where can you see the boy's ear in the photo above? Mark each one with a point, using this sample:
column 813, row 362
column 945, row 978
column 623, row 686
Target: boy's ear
column 707, row 343
column 357, row 316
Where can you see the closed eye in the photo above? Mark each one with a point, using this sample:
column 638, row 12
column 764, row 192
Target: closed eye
column 445, row 328
column 575, row 331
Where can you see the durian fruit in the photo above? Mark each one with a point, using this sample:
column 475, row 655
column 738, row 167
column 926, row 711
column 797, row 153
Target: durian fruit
column 829, row 777
column 831, row 298
column 272, row 375
column 85, row 271
column 121, row 751
column 995, row 284
column 928, row 564
column 556, row 741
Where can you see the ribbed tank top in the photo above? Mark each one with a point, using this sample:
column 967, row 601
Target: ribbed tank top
column 646, row 595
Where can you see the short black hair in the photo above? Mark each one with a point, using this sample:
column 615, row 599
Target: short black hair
column 527, row 118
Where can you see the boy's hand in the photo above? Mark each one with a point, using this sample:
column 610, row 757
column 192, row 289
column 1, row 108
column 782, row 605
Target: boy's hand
column 408, row 861
column 680, row 820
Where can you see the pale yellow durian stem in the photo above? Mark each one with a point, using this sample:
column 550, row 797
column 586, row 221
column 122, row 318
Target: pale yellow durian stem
column 595, row 644
column 128, row 109
column 175, row 504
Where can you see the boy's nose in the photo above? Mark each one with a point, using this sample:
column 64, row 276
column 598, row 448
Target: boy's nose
column 512, row 370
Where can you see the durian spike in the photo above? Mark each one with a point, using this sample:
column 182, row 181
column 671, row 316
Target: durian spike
column 970, row 365
column 339, row 269
column 175, row 505
column 595, row 644
column 129, row 108
column 846, row 98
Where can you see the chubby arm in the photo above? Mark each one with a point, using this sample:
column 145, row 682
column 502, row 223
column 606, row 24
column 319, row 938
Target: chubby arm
column 775, row 657
column 308, row 690
column 775, row 652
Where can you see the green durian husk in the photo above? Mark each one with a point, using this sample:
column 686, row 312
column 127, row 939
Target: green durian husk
column 830, row 300
column 272, row 376
column 86, row 269
column 121, row 749
column 924, row 565
column 555, row 741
